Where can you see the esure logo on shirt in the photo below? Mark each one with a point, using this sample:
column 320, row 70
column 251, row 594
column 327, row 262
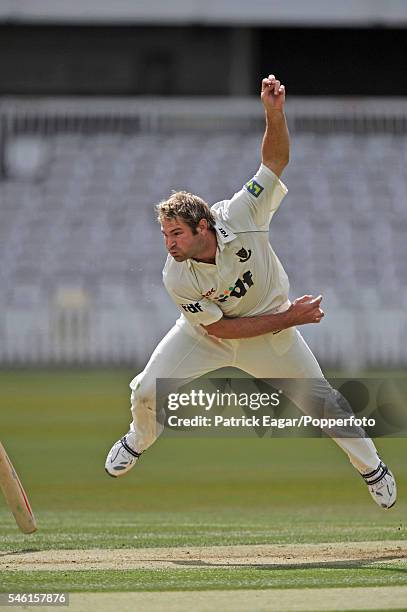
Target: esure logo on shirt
column 254, row 188
column 208, row 293
column 239, row 289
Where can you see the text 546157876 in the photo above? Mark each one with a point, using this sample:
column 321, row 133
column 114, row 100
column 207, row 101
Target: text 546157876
column 34, row 599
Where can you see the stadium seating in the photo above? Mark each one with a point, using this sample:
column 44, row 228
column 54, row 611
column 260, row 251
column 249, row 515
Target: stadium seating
column 80, row 248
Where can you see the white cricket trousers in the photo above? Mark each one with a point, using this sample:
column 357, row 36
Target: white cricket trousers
column 188, row 354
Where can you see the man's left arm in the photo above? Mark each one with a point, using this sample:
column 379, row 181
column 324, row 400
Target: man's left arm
column 275, row 151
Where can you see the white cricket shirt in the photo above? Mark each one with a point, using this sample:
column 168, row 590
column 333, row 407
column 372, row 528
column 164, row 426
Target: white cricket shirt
column 248, row 278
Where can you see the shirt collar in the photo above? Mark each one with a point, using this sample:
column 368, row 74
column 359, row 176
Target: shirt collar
column 223, row 235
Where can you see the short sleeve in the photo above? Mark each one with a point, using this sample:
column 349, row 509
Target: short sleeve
column 260, row 197
column 197, row 312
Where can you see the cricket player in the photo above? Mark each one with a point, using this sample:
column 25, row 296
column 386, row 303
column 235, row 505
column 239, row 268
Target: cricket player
column 232, row 292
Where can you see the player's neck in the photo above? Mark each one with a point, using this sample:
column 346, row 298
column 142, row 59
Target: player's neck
column 208, row 253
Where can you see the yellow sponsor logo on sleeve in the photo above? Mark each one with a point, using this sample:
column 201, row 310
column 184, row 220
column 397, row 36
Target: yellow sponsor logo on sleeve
column 254, row 188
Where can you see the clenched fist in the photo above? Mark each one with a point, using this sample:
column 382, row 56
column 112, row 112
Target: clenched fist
column 272, row 93
column 306, row 309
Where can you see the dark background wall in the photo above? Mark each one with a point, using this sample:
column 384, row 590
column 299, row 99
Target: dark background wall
column 337, row 61
column 94, row 60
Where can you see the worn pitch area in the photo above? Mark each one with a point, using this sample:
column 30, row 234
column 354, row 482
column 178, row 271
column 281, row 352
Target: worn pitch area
column 215, row 556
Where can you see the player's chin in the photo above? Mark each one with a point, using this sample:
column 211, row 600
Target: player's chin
column 178, row 257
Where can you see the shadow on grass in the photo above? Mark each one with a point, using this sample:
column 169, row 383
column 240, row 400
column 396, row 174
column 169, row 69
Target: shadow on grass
column 20, row 551
column 349, row 564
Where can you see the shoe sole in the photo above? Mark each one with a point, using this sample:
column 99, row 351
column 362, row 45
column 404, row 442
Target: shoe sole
column 114, row 475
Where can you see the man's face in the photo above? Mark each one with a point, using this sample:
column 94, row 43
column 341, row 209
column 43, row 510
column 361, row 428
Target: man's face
column 180, row 241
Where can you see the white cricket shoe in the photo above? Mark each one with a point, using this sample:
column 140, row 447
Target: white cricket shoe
column 382, row 486
column 122, row 456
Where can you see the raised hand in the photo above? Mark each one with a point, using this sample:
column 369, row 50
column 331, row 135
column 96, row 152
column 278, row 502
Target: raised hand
column 272, row 93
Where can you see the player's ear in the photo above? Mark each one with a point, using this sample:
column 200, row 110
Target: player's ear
column 202, row 225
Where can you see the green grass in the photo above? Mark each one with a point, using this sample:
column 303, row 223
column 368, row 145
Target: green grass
column 208, row 578
column 64, row 530
column 57, row 427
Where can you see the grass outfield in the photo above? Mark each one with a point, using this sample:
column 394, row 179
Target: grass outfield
column 201, row 492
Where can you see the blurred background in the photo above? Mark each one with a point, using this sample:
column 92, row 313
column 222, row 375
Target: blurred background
column 105, row 107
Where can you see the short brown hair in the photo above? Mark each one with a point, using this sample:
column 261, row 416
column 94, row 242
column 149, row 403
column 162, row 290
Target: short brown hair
column 188, row 207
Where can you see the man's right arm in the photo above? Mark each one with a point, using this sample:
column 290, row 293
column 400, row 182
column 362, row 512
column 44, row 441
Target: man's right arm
column 302, row 311
column 275, row 151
